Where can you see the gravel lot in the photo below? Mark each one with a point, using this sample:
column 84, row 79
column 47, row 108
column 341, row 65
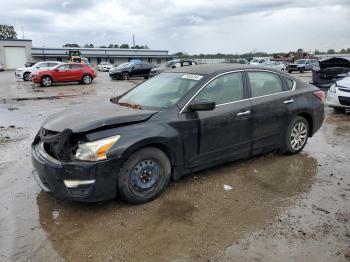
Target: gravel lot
column 280, row 208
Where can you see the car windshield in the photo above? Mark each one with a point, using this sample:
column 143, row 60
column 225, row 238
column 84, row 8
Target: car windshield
column 160, row 92
column 300, row 61
column 124, row 65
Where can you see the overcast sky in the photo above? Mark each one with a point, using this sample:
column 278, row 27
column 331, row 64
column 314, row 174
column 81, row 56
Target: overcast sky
column 193, row 26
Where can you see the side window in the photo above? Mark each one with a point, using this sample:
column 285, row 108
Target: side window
column 289, row 83
column 64, row 67
column 186, row 63
column 42, row 65
column 224, row 89
column 177, row 65
column 264, row 83
column 51, row 64
column 76, row 67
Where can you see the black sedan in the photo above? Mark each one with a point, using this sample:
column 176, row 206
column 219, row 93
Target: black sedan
column 130, row 69
column 183, row 120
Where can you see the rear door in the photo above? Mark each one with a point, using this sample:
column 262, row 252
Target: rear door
column 270, row 115
column 224, row 132
column 76, row 72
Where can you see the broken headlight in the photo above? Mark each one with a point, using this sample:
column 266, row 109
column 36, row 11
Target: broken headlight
column 96, row 150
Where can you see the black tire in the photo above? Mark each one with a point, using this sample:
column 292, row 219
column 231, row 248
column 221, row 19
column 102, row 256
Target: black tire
column 125, row 76
column 289, row 149
column 26, row 76
column 289, row 71
column 136, row 182
column 301, row 70
column 87, row 79
column 339, row 109
column 46, row 81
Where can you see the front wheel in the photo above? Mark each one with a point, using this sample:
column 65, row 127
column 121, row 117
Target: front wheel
column 46, row 81
column 125, row 76
column 301, row 70
column 297, row 135
column 144, row 176
column 289, row 71
column 26, row 76
column 339, row 109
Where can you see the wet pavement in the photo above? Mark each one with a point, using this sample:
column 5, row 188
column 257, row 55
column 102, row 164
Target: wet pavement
column 269, row 208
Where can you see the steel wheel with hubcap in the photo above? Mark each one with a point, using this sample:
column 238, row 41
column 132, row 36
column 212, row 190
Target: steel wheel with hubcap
column 144, row 175
column 297, row 135
column 125, row 76
column 87, row 79
column 46, row 81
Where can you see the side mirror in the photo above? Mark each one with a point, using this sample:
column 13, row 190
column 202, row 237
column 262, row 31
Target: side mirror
column 56, row 70
column 202, row 105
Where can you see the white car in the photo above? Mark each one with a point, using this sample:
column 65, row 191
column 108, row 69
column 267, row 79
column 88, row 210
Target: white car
column 275, row 64
column 24, row 72
column 258, row 61
column 338, row 95
column 104, row 67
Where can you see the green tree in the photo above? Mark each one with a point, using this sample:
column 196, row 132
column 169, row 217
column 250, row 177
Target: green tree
column 103, row 46
column 110, row 46
column 343, row 51
column 7, row 32
column 124, row 46
column 71, row 45
column 330, row 51
column 116, row 46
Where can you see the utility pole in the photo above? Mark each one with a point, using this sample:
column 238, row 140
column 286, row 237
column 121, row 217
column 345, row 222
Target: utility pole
column 22, row 32
column 133, row 40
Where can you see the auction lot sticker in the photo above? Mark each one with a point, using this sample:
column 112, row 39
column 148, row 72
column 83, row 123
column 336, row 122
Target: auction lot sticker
column 192, row 77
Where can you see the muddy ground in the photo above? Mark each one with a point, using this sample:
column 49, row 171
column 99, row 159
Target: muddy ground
column 270, row 208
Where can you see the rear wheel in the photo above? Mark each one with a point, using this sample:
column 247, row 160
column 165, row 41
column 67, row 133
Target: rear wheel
column 297, row 135
column 46, row 81
column 289, row 71
column 144, row 176
column 125, row 76
column 26, row 76
column 87, row 79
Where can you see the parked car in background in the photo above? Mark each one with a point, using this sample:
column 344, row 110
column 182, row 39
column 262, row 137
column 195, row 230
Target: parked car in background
column 127, row 70
column 275, row 65
column 104, row 67
column 67, row 72
column 258, row 61
column 172, row 64
column 25, row 72
column 328, row 71
column 338, row 95
column 302, row 65
column 2, row 67
column 184, row 120
column 29, row 64
column 236, row 61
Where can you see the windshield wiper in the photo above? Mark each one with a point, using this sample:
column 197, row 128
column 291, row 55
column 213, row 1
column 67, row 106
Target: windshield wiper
column 115, row 99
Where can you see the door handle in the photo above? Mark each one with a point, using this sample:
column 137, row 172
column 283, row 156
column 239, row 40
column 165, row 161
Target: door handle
column 288, row 101
column 245, row 113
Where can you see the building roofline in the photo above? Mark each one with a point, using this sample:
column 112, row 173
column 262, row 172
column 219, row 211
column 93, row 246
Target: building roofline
column 14, row 40
column 97, row 48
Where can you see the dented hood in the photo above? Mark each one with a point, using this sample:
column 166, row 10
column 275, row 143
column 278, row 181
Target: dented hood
column 87, row 117
column 334, row 62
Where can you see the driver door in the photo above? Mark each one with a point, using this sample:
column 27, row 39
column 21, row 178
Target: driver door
column 63, row 73
column 226, row 131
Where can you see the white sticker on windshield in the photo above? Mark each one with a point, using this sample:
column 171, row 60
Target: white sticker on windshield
column 192, row 77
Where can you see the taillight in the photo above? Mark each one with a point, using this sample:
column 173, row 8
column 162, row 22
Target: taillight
column 321, row 95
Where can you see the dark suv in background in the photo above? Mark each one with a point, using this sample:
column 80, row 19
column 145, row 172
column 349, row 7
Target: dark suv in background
column 172, row 64
column 130, row 69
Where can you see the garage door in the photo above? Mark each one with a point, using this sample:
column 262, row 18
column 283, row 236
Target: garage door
column 15, row 57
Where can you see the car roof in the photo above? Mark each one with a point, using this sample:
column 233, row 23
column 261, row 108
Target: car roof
column 211, row 69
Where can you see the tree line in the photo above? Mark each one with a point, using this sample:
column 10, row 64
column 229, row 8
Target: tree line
column 126, row 46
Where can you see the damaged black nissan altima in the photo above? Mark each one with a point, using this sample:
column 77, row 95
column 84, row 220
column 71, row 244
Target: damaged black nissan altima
column 181, row 121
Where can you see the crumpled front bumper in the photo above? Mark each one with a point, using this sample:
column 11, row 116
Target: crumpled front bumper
column 75, row 180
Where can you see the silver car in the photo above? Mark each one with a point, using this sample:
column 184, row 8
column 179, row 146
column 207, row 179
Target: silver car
column 302, row 65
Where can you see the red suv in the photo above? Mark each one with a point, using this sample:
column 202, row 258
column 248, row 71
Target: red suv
column 70, row 72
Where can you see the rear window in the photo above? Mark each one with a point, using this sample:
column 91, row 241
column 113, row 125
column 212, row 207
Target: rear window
column 289, row 83
column 264, row 83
